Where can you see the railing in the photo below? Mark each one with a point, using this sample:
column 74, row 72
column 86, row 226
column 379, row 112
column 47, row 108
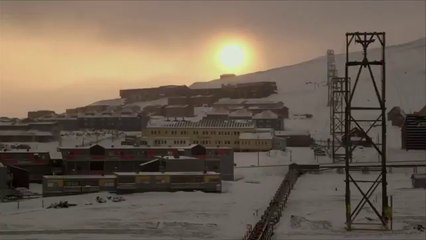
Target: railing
column 264, row 228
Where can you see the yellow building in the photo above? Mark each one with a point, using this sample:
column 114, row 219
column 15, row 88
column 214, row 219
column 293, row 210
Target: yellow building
column 210, row 133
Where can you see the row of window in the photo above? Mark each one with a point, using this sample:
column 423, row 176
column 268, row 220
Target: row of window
column 257, row 142
column 185, row 132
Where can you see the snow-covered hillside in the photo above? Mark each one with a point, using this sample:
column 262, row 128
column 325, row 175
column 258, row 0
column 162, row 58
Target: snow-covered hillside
column 302, row 87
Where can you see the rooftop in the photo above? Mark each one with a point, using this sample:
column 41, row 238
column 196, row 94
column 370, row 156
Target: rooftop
column 292, row 133
column 24, row 133
column 261, row 136
column 265, row 115
column 205, row 123
column 164, row 173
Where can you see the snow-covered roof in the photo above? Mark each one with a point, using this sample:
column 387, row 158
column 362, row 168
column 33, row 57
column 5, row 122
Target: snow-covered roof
column 79, row 176
column 292, row 133
column 218, row 111
column 109, row 102
column 265, row 115
column 176, row 106
column 164, row 173
column 241, row 113
column 260, row 101
column 176, row 157
column 24, row 133
column 230, row 101
column 204, row 123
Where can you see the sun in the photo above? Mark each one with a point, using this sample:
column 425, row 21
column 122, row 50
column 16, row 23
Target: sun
column 232, row 56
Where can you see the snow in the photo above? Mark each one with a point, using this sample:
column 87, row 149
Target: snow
column 317, row 204
column 154, row 215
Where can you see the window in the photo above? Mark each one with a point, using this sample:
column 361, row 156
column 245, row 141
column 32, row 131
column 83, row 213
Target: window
column 97, row 166
column 71, row 183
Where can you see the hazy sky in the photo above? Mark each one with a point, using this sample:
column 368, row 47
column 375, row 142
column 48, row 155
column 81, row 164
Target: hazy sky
column 57, row 55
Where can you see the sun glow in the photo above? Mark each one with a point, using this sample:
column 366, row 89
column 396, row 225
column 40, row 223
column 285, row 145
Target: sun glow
column 232, row 56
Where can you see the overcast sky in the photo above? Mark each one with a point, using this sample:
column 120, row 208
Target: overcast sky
column 57, row 55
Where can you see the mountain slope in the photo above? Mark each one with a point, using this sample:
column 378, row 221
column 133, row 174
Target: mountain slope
column 302, row 87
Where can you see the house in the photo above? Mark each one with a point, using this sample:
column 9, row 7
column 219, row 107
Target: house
column 36, row 163
column 296, row 138
column 241, row 114
column 268, row 119
column 397, row 116
column 98, row 159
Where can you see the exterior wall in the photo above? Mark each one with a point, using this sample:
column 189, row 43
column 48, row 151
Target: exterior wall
column 154, row 110
column 26, row 138
column 279, row 143
column 37, row 164
column 255, row 144
column 179, row 101
column 179, row 111
column 123, row 123
column 210, row 137
column 282, row 112
column 276, row 124
column 199, row 101
column 81, row 161
column 67, row 185
column 413, row 132
column 4, row 178
column 299, row 141
column 39, row 114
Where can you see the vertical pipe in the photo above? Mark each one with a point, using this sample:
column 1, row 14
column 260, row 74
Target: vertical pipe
column 346, row 141
column 385, row 206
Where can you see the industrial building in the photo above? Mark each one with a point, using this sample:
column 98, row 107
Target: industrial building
column 240, row 90
column 413, row 132
column 98, row 159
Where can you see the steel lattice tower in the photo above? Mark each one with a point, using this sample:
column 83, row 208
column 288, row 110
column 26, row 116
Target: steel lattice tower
column 337, row 118
column 365, row 118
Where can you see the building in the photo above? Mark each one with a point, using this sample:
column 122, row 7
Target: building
column 40, row 113
column 58, row 185
column 129, row 182
column 174, row 111
column 240, row 90
column 217, row 114
column 256, row 141
column 241, row 114
column 203, row 100
column 206, row 132
column 36, row 163
column 413, row 132
column 296, row 138
column 120, row 121
column 268, row 119
column 148, row 94
column 26, row 136
column 4, row 177
column 397, row 116
column 99, row 160
column 250, row 90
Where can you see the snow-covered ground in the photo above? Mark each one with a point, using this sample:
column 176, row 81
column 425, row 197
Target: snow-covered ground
column 316, row 208
column 178, row 215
